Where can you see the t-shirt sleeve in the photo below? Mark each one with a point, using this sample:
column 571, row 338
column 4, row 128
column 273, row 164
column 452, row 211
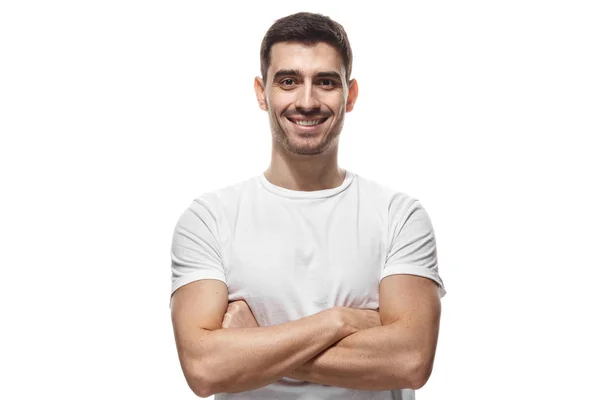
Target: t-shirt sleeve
column 412, row 247
column 195, row 250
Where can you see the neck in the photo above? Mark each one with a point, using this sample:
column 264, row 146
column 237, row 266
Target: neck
column 305, row 173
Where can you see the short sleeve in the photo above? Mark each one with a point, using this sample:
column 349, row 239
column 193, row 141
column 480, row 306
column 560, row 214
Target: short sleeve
column 195, row 250
column 412, row 247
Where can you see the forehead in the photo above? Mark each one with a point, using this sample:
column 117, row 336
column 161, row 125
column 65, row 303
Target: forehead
column 308, row 58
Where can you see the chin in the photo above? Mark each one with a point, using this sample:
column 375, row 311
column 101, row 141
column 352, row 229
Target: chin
column 308, row 149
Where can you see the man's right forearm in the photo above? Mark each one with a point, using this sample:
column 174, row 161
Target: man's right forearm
column 236, row 360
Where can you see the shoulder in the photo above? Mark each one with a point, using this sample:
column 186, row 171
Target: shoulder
column 225, row 199
column 395, row 200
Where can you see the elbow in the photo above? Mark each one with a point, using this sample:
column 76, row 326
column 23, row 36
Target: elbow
column 417, row 373
column 202, row 391
column 418, row 380
column 199, row 379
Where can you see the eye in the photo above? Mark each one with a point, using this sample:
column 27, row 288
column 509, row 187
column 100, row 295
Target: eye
column 287, row 83
column 328, row 83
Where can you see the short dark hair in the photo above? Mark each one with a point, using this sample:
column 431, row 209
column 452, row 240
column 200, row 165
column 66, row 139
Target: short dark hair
column 308, row 28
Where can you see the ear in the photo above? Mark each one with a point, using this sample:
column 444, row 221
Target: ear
column 352, row 95
column 259, row 89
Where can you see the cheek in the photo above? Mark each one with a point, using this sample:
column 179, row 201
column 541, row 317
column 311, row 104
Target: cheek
column 276, row 105
column 281, row 99
column 336, row 101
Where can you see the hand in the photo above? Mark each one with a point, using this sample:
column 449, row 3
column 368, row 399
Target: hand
column 355, row 320
column 238, row 315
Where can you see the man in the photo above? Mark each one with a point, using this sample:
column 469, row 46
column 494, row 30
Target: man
column 307, row 281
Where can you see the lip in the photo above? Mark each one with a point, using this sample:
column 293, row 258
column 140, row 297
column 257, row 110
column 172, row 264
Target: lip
column 309, row 128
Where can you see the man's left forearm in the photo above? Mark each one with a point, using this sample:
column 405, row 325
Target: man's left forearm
column 381, row 358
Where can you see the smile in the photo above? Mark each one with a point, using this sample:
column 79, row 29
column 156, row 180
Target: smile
column 308, row 122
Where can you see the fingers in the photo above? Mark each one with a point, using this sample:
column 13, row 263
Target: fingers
column 226, row 320
column 237, row 306
column 238, row 315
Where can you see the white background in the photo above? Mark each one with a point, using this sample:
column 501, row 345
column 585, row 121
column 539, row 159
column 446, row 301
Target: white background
column 114, row 115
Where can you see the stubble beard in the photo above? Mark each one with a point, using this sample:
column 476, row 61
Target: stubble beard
column 283, row 138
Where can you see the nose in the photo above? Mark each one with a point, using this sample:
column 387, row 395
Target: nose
column 307, row 99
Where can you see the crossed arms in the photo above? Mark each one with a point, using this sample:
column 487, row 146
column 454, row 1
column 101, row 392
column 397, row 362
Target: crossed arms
column 344, row 347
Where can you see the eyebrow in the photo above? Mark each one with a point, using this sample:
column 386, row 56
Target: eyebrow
column 329, row 74
column 296, row 73
column 286, row 72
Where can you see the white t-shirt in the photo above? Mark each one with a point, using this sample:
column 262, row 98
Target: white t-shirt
column 290, row 254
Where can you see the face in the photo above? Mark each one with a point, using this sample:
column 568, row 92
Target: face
column 306, row 96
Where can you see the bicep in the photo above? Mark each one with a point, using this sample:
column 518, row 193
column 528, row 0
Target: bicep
column 411, row 305
column 196, row 308
column 412, row 302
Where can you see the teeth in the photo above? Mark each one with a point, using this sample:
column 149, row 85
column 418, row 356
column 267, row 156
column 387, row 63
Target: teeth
column 307, row 123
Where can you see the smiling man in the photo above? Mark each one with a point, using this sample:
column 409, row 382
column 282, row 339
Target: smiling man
column 308, row 95
column 307, row 281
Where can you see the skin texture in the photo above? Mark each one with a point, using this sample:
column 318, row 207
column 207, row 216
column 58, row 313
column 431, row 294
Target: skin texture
column 219, row 345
